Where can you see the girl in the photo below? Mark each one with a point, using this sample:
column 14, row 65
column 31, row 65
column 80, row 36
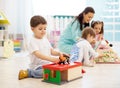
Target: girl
column 101, row 44
column 98, row 28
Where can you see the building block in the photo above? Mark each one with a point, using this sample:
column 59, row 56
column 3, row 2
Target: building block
column 58, row 74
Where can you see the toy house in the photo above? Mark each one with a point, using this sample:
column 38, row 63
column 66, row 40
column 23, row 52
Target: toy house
column 6, row 45
column 60, row 73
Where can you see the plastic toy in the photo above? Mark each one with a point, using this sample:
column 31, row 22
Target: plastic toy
column 64, row 59
column 61, row 73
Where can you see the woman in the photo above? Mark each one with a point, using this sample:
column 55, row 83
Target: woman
column 73, row 31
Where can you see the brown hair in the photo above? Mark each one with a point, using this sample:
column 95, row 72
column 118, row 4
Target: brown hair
column 80, row 16
column 86, row 31
column 93, row 23
column 36, row 20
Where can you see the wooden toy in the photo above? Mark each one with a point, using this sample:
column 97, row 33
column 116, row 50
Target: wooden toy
column 6, row 45
column 58, row 74
column 8, row 48
column 109, row 57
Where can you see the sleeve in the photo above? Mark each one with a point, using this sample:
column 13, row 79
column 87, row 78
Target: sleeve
column 86, row 55
column 49, row 45
column 87, row 52
column 32, row 47
column 69, row 37
column 92, row 52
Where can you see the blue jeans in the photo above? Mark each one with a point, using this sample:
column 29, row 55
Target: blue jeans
column 37, row 73
column 74, row 54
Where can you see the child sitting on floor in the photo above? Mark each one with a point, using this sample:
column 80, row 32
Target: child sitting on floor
column 40, row 50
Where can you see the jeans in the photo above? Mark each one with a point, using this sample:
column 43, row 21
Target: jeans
column 35, row 73
column 74, row 54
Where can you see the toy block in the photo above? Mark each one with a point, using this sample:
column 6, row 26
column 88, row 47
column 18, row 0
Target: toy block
column 57, row 73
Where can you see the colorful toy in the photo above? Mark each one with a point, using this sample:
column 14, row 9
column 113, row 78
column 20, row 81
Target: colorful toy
column 17, row 45
column 64, row 59
column 109, row 57
column 56, row 73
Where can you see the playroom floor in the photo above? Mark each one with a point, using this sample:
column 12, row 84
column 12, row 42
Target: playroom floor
column 100, row 76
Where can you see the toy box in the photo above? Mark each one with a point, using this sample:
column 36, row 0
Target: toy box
column 61, row 73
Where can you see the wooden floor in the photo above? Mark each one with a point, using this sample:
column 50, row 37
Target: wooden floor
column 100, row 76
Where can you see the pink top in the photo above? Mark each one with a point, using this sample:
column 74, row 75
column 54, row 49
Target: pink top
column 99, row 37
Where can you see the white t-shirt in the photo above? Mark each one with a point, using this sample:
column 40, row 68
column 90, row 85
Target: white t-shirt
column 82, row 51
column 43, row 46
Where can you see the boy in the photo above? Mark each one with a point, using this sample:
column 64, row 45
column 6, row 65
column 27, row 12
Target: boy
column 39, row 48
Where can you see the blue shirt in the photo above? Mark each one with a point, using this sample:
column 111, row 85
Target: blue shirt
column 69, row 36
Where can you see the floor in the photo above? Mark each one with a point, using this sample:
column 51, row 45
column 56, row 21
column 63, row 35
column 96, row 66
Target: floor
column 100, row 76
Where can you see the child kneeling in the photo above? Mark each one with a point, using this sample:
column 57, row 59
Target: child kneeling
column 82, row 51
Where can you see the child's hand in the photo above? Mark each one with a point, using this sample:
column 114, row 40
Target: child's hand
column 57, row 60
column 62, row 57
column 66, row 55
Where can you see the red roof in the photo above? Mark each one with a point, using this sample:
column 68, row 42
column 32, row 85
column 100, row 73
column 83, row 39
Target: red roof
column 61, row 67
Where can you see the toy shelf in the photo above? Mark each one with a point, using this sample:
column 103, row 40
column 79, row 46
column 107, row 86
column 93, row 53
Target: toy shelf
column 6, row 45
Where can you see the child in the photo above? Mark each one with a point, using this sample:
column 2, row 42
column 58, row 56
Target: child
column 82, row 50
column 99, row 41
column 39, row 48
column 100, row 44
column 98, row 28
